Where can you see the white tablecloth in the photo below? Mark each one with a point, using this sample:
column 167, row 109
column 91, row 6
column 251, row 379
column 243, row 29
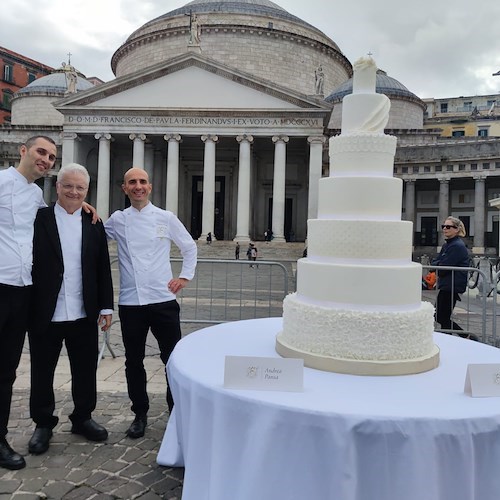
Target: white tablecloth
column 413, row 437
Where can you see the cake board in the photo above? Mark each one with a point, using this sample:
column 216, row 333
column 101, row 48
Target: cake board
column 360, row 366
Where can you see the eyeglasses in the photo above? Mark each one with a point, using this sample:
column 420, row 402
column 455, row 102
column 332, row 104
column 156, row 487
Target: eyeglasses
column 447, row 226
column 70, row 187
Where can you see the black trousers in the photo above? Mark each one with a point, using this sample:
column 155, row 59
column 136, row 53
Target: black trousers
column 445, row 303
column 81, row 340
column 164, row 322
column 14, row 304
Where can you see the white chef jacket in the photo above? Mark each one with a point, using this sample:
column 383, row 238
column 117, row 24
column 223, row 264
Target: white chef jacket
column 19, row 203
column 144, row 238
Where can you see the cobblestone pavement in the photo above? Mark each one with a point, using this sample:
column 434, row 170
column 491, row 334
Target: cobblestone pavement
column 73, row 468
column 76, row 469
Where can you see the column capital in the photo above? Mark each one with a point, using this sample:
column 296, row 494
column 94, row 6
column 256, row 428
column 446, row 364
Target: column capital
column 172, row 137
column 316, row 139
column 410, row 180
column 207, row 137
column 141, row 137
column 244, row 137
column 479, row 178
column 280, row 138
column 103, row 135
column 69, row 135
column 444, row 180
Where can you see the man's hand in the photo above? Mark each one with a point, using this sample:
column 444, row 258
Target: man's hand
column 104, row 321
column 177, row 284
column 89, row 209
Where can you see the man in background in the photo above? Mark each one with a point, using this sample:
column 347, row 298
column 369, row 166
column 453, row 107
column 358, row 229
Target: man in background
column 147, row 299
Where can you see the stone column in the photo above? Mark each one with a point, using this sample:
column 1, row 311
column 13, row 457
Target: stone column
column 278, row 216
column 479, row 219
column 159, row 177
column 208, row 217
column 243, row 206
column 47, row 188
column 315, row 167
column 410, row 201
column 172, row 191
column 149, row 161
column 138, row 151
column 444, row 203
column 103, row 175
column 68, row 148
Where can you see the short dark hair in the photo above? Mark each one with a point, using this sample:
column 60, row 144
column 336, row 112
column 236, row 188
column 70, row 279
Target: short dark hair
column 33, row 139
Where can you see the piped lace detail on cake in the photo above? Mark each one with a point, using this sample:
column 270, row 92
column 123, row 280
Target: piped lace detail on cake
column 358, row 335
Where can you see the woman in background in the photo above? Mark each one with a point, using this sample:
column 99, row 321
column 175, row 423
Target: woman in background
column 451, row 283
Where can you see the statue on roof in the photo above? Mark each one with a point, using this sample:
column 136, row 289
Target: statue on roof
column 194, row 28
column 71, row 78
column 319, row 80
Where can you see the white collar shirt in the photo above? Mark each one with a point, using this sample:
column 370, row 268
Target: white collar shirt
column 69, row 305
column 19, row 203
column 144, row 238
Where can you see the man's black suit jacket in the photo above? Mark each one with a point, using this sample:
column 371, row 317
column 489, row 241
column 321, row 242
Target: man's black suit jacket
column 48, row 269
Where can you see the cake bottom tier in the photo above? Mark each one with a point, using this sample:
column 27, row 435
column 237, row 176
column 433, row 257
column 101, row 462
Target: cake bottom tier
column 363, row 343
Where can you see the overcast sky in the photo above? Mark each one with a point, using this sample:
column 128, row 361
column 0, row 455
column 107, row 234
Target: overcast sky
column 436, row 48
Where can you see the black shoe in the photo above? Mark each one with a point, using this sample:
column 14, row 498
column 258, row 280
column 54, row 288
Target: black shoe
column 91, row 430
column 9, row 459
column 137, row 427
column 39, row 442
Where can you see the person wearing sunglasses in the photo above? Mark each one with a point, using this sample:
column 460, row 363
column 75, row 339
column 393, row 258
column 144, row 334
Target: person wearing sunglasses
column 451, row 283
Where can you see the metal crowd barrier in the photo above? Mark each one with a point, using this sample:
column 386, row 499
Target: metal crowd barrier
column 232, row 290
column 224, row 290
column 476, row 311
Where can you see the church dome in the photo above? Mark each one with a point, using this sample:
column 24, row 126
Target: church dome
column 53, row 83
column 32, row 105
column 384, row 85
column 407, row 109
column 251, row 7
column 250, row 36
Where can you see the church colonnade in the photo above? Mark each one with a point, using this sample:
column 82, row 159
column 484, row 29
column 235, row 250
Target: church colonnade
column 143, row 156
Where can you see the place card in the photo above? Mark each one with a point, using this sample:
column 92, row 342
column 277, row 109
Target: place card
column 483, row 380
column 265, row 374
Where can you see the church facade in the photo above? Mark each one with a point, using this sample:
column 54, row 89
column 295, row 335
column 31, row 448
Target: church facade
column 230, row 154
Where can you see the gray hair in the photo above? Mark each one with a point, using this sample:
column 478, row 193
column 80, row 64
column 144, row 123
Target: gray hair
column 73, row 167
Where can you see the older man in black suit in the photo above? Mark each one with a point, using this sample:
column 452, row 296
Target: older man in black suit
column 72, row 296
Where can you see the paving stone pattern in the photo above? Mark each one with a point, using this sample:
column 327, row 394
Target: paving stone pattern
column 76, row 469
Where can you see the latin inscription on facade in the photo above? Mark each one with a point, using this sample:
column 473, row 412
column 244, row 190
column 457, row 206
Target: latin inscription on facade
column 193, row 121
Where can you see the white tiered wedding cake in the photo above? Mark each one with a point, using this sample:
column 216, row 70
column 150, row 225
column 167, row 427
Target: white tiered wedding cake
column 358, row 305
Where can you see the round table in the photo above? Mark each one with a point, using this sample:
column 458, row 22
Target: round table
column 346, row 437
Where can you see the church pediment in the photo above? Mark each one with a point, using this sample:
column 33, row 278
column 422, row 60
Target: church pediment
column 191, row 81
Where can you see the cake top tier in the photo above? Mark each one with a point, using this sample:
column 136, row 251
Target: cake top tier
column 365, row 76
column 364, row 111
